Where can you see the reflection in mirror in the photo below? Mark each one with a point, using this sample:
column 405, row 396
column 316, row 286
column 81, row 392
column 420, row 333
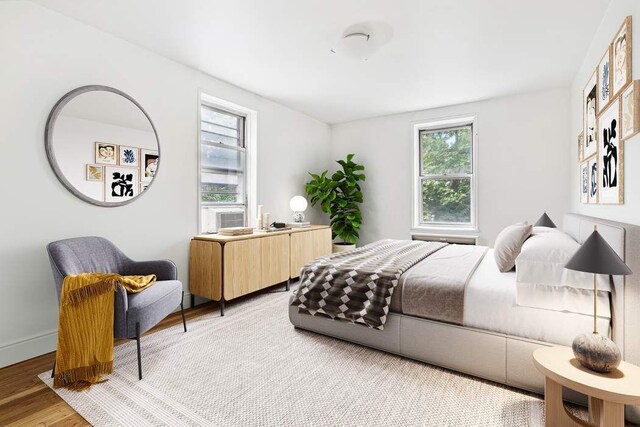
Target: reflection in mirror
column 102, row 145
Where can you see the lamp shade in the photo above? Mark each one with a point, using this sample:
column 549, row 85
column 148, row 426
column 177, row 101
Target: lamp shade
column 298, row 204
column 596, row 256
column 545, row 221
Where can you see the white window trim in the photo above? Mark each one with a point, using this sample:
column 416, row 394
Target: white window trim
column 250, row 142
column 417, row 226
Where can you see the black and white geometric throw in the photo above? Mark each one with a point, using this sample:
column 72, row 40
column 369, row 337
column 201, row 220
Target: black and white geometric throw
column 357, row 285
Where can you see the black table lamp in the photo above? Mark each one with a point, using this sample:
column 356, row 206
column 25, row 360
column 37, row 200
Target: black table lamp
column 544, row 221
column 595, row 351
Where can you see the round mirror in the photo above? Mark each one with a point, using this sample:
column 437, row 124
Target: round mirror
column 102, row 145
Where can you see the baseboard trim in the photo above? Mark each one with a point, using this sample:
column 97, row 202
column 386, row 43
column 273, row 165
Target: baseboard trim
column 28, row 348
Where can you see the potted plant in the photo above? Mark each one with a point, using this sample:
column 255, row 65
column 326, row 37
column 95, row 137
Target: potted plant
column 340, row 196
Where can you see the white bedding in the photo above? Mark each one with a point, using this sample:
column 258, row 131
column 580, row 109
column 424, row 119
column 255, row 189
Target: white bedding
column 490, row 304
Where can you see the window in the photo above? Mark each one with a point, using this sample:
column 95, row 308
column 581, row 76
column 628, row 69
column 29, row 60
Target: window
column 225, row 175
column 445, row 180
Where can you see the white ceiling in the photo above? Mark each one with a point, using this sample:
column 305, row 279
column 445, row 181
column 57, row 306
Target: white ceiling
column 443, row 52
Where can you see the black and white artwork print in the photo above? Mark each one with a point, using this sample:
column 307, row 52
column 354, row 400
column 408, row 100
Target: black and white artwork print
column 610, row 155
column 121, row 183
column 584, row 182
column 589, row 113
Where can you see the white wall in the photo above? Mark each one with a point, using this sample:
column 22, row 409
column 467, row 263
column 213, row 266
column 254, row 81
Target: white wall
column 522, row 162
column 629, row 212
column 44, row 55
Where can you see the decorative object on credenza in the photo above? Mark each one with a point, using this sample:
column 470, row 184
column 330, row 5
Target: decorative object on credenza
column 106, row 154
column 604, row 80
column 298, row 205
column 630, row 114
column 128, row 156
column 85, row 129
column 235, row 231
column 595, row 351
column 94, row 172
column 340, row 196
column 544, row 221
column 592, row 166
column 621, row 61
column 584, row 182
column 590, row 102
column 610, row 156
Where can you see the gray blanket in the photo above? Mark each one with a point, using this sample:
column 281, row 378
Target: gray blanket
column 434, row 288
column 357, row 285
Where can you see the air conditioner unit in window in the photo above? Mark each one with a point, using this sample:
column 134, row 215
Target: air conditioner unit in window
column 224, row 217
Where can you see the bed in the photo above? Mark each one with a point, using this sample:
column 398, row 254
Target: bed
column 497, row 338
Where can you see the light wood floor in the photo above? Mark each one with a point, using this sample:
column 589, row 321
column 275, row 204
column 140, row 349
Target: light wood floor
column 27, row 401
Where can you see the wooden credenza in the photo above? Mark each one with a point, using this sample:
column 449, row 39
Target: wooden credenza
column 222, row 268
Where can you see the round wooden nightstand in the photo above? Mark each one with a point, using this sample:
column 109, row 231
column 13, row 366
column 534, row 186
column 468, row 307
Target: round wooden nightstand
column 608, row 393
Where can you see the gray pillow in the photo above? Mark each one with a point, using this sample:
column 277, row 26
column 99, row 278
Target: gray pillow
column 508, row 245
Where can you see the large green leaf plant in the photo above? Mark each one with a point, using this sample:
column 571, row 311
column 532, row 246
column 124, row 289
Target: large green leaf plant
column 340, row 196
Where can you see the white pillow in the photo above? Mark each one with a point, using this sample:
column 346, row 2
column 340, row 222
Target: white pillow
column 541, row 262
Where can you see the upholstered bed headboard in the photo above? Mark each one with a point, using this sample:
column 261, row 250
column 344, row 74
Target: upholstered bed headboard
column 625, row 240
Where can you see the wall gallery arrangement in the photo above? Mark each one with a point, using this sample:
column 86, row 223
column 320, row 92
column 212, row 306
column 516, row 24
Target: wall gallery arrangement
column 610, row 116
column 126, row 171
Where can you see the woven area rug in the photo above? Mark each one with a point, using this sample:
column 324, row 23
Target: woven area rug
column 252, row 368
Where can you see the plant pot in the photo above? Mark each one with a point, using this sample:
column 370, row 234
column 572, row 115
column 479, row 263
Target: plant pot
column 342, row 247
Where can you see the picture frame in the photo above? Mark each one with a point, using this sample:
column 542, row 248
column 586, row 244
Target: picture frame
column 610, row 156
column 120, row 183
column 106, row 153
column 580, row 146
column 93, row 172
column 149, row 160
column 630, row 114
column 584, row 182
column 128, row 156
column 589, row 114
column 621, row 58
column 604, row 80
column 592, row 165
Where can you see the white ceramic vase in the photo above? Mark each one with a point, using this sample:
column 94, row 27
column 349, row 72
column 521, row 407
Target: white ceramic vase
column 342, row 247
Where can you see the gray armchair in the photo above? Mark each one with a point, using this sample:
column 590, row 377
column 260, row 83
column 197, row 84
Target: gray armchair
column 134, row 313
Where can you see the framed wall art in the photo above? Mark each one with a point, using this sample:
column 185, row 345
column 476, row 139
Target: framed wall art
column 621, row 57
column 120, row 183
column 149, row 164
column 129, row 156
column 610, row 160
column 106, row 153
column 590, row 101
column 584, row 182
column 93, row 173
column 630, row 114
column 592, row 165
column 581, row 147
column 604, row 80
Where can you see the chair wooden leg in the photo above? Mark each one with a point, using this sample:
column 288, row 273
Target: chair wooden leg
column 53, row 370
column 138, row 344
column 184, row 322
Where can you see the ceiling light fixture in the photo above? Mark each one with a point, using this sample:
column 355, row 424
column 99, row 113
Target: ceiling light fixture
column 361, row 41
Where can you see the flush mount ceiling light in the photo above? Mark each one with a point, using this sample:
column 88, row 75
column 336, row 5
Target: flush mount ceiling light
column 361, row 41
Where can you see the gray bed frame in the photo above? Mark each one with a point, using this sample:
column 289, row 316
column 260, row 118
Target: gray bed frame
column 505, row 359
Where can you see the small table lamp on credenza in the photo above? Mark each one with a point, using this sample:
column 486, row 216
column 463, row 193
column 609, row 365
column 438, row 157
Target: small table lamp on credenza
column 594, row 351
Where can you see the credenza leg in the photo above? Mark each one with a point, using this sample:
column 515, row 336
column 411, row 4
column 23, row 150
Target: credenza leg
column 222, row 307
column 286, row 287
column 193, row 301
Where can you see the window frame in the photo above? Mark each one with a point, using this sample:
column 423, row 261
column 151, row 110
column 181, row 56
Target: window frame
column 417, row 179
column 249, row 142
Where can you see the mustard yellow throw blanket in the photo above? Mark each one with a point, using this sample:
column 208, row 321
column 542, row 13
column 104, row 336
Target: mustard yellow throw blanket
column 85, row 326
